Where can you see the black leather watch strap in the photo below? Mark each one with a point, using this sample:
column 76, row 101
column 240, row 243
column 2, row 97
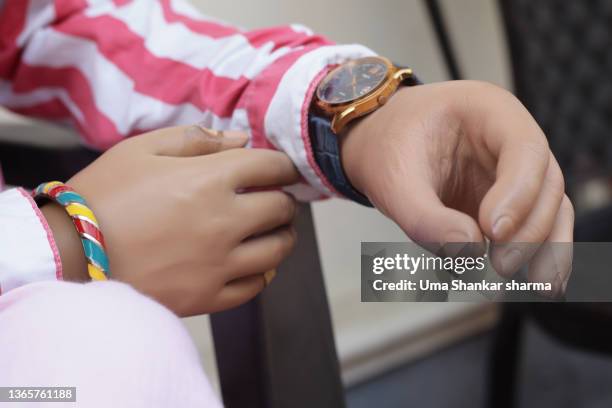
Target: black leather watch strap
column 326, row 151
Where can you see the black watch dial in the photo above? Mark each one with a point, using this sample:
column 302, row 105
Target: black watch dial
column 352, row 80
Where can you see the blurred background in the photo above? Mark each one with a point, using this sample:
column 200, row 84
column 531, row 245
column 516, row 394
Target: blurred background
column 451, row 355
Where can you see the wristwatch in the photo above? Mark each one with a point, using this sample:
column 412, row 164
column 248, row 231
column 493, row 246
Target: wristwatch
column 357, row 88
column 350, row 91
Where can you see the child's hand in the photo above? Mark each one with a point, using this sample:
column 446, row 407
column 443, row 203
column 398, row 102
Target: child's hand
column 175, row 226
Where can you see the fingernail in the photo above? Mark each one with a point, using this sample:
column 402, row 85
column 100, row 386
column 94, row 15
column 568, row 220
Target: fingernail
column 236, row 135
column 510, row 262
column 502, row 227
column 269, row 276
column 211, row 132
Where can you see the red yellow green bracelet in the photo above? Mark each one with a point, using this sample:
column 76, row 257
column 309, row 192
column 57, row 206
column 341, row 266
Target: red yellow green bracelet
column 84, row 221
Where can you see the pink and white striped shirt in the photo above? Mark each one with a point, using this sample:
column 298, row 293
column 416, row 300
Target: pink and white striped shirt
column 116, row 68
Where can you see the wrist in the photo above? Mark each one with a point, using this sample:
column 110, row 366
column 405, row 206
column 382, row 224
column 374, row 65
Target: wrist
column 363, row 142
column 74, row 265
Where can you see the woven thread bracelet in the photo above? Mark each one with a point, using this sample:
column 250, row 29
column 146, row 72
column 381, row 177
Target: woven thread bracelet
column 85, row 223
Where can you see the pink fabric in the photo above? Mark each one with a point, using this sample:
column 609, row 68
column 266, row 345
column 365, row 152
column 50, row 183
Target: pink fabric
column 55, row 51
column 59, row 272
column 118, row 347
column 263, row 89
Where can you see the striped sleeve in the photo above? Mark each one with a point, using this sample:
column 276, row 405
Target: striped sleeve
column 117, row 68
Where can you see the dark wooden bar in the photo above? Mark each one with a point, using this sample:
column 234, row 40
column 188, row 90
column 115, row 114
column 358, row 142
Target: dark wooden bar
column 27, row 165
column 278, row 350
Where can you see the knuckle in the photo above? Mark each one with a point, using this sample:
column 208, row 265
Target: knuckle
column 200, row 187
column 225, row 177
column 217, row 175
column 231, row 162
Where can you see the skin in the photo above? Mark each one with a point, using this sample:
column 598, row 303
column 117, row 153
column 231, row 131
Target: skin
column 453, row 162
column 462, row 162
column 177, row 222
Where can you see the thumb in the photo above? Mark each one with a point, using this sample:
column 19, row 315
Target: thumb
column 195, row 140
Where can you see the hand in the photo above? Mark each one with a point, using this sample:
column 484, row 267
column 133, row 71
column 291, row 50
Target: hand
column 461, row 161
column 175, row 225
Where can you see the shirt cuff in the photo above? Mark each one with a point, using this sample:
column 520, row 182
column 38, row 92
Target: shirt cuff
column 28, row 252
column 285, row 123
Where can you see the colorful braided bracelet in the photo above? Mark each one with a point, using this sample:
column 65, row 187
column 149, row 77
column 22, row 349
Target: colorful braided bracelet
column 84, row 221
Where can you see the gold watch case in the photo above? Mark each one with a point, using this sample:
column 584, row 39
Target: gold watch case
column 344, row 112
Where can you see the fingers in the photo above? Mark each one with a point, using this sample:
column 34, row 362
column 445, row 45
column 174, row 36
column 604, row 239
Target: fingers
column 539, row 223
column 516, row 151
column 426, row 220
column 537, row 227
column 260, row 254
column 261, row 168
column 264, row 211
column 252, row 263
column 550, row 262
column 520, row 173
column 188, row 141
column 240, row 291
column 553, row 262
